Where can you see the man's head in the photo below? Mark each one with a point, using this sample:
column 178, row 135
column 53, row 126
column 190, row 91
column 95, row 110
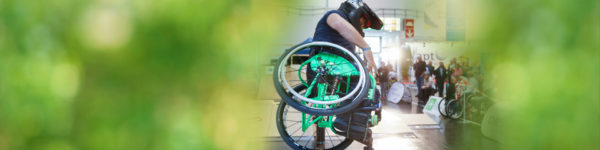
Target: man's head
column 360, row 15
column 430, row 63
column 419, row 59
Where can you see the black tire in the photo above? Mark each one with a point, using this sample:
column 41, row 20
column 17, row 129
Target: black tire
column 342, row 108
column 454, row 109
column 443, row 113
column 296, row 143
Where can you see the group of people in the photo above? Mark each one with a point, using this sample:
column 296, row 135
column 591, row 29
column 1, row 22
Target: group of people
column 430, row 80
column 423, row 73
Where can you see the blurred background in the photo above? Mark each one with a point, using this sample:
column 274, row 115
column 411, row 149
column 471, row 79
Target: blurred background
column 183, row 74
column 113, row 74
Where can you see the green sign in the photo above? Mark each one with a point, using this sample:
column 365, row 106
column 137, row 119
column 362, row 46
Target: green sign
column 430, row 103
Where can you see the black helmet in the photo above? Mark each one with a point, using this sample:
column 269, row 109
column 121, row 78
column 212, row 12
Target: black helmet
column 355, row 9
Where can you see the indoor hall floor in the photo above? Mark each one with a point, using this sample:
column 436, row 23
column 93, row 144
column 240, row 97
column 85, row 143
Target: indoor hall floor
column 449, row 134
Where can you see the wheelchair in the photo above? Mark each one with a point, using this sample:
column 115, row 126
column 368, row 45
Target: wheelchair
column 453, row 108
column 328, row 101
column 456, row 108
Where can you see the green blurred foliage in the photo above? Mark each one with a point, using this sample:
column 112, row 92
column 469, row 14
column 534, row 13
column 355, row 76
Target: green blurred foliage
column 542, row 59
column 112, row 74
column 178, row 74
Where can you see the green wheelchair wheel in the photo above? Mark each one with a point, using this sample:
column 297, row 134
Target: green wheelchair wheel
column 332, row 73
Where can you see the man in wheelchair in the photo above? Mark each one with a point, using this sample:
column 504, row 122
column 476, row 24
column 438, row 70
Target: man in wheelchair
column 339, row 93
column 344, row 27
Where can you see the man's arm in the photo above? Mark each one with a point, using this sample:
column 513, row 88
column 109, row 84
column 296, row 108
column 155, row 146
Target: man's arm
column 347, row 31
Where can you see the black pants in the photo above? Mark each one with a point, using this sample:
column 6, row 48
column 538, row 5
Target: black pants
column 426, row 92
column 440, row 88
column 450, row 91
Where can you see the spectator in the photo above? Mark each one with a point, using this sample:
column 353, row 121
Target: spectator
column 427, row 89
column 451, row 89
column 383, row 77
column 419, row 68
column 452, row 64
column 429, row 68
column 440, row 78
column 458, row 71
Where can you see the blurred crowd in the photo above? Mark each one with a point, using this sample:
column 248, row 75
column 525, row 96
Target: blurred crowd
column 447, row 81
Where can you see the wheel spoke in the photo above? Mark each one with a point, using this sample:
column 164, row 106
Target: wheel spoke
column 308, row 141
column 292, row 125
column 301, row 136
column 291, row 135
column 327, row 133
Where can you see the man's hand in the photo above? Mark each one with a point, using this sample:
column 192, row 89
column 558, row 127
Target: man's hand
column 373, row 69
column 370, row 62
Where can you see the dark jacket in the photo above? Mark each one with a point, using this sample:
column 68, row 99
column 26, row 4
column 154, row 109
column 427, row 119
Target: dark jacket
column 430, row 69
column 440, row 75
column 419, row 68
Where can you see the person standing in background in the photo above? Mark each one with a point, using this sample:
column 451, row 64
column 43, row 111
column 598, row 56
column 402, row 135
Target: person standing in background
column 429, row 67
column 440, row 78
column 420, row 69
column 451, row 82
column 384, row 71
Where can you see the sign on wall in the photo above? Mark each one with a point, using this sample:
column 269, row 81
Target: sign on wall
column 437, row 52
column 409, row 28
